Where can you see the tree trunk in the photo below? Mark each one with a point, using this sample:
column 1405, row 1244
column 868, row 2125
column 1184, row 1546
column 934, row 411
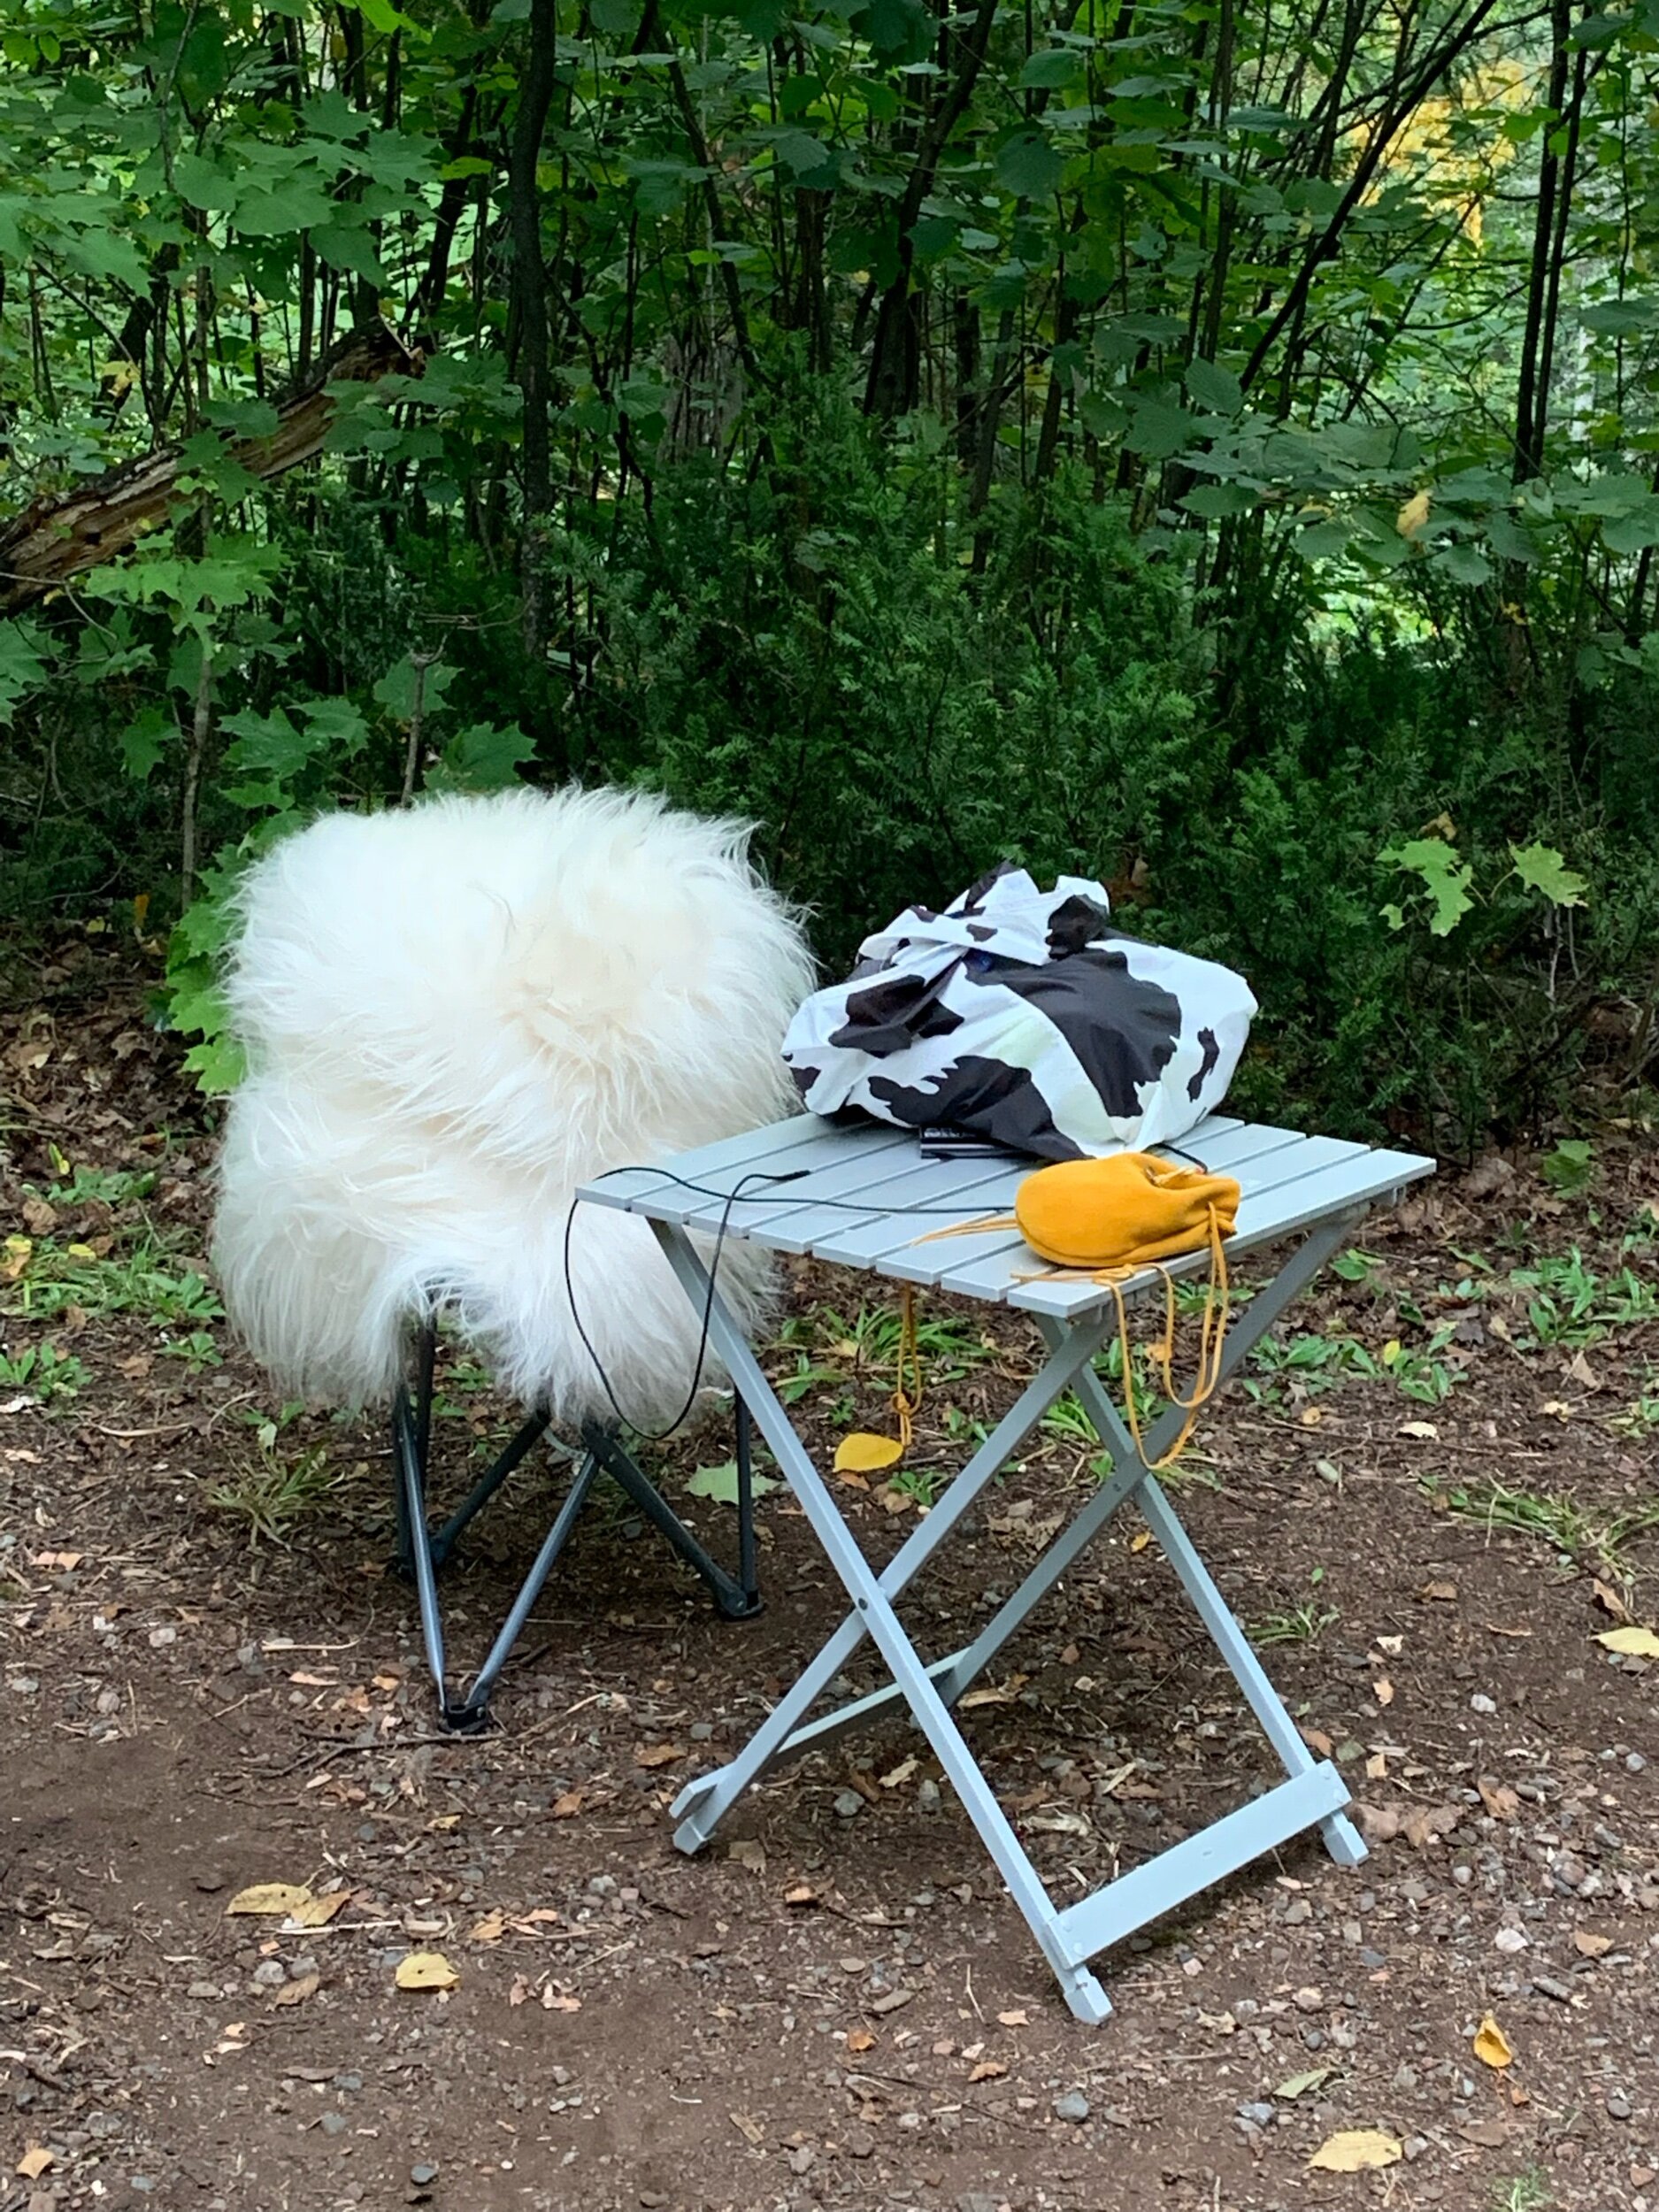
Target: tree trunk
column 529, row 291
column 56, row 538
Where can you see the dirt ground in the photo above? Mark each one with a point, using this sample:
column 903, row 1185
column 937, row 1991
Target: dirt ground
column 1428, row 1505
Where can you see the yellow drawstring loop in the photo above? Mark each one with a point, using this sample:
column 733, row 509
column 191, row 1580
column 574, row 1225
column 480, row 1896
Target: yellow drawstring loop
column 1106, row 1221
column 907, row 1402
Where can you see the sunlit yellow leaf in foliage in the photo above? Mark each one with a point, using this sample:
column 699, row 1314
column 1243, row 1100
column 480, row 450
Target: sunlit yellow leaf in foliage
column 1413, row 515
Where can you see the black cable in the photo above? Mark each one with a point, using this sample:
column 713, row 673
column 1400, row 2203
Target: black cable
column 656, row 1436
column 731, row 1197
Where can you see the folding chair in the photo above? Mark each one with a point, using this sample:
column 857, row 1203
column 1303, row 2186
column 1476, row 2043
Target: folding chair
column 857, row 1198
column 423, row 1550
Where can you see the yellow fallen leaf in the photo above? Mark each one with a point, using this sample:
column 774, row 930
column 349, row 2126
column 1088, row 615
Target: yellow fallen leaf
column 1588, row 1945
column 317, row 1912
column 1357, row 2150
column 426, row 1969
column 1633, row 1643
column 1413, row 515
column 861, row 1453
column 1391, row 1351
column 658, row 1755
column 988, row 2069
column 1142, row 1538
column 17, row 1251
column 860, row 2039
column 297, row 1993
column 1492, row 2046
column 490, row 1929
column 1383, row 1690
column 270, row 1901
column 34, row 2161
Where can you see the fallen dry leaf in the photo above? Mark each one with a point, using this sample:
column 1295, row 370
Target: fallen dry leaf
column 1383, row 1690
column 1440, row 1593
column 568, row 1806
column 862, row 1454
column 1590, row 1947
column 1142, row 1538
column 490, row 1929
column 297, row 1993
column 1013, row 2020
column 901, row 1774
column 1492, row 2046
column 1581, row 1371
column 317, row 1912
column 747, row 2128
column 1427, row 1432
column 34, row 2161
column 1377, row 1768
column 1609, row 1599
column 1299, row 2084
column 658, row 1755
column 860, row 2039
column 1631, row 1643
column 801, row 1893
column 1356, row 2151
column 271, row 1899
column 426, row 1969
column 749, row 1853
column 988, row 2069
column 556, row 2000
column 519, row 1991
column 1499, row 1800
column 1419, row 1824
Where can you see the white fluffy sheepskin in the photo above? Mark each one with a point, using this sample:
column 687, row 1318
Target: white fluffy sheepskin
column 453, row 1015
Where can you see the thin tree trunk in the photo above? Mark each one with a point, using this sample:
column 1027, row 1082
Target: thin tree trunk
column 529, row 288
column 200, row 722
column 1529, row 385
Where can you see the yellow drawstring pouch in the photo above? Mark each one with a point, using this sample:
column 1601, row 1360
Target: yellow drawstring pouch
column 1105, row 1220
column 1128, row 1211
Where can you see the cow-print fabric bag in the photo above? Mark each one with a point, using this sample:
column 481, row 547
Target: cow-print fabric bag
column 1022, row 1016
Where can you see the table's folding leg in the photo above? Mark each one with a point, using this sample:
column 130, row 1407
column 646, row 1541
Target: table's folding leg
column 703, row 1803
column 1314, row 1794
column 1338, row 1834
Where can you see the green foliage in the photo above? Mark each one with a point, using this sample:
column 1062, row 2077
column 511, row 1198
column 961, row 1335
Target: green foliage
column 1031, row 434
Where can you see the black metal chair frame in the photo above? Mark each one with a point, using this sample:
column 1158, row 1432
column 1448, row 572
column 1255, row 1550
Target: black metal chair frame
column 423, row 1550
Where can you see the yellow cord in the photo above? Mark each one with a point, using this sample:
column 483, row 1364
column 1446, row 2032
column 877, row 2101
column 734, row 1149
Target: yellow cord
column 1212, row 1339
column 907, row 1403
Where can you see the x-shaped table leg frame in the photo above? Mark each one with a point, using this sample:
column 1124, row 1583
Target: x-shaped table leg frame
column 1313, row 1794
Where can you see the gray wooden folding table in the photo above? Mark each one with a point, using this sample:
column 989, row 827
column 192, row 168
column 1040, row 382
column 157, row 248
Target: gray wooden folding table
column 863, row 1198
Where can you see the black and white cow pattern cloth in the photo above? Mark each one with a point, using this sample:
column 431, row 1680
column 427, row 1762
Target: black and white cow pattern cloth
column 1022, row 1016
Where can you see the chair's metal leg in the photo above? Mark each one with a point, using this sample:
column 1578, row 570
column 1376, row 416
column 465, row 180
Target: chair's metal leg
column 413, row 1532
column 471, row 1713
column 422, row 1551
column 734, row 1601
column 479, row 1496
